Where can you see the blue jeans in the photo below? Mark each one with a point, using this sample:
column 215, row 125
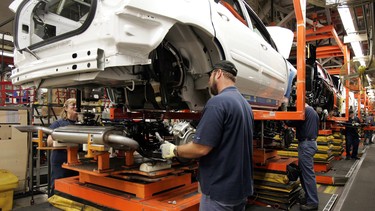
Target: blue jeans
column 352, row 141
column 58, row 157
column 306, row 152
column 208, row 204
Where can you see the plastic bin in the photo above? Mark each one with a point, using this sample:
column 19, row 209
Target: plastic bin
column 8, row 182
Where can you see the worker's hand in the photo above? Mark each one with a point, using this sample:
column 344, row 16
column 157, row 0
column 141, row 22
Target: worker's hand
column 167, row 150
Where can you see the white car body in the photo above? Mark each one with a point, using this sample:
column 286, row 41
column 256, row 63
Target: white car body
column 149, row 51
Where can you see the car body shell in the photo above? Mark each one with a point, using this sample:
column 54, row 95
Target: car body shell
column 158, row 51
column 321, row 90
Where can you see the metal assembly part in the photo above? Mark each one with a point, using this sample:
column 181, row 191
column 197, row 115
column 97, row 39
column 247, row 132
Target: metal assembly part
column 80, row 134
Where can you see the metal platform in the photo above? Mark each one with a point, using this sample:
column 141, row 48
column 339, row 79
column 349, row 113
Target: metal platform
column 180, row 198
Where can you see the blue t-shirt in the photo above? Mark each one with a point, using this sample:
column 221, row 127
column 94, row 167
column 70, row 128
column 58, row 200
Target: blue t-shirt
column 58, row 157
column 308, row 128
column 352, row 131
column 226, row 173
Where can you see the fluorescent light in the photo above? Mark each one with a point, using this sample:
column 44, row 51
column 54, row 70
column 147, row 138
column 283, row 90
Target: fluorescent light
column 357, row 49
column 347, row 21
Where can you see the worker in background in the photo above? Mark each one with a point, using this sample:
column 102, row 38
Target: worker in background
column 368, row 133
column 223, row 142
column 352, row 136
column 306, row 133
column 68, row 116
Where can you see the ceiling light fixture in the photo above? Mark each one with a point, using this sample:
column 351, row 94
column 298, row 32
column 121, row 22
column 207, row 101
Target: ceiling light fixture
column 347, row 21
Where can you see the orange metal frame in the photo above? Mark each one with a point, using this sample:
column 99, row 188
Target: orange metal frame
column 138, row 189
column 325, row 132
column 322, row 167
column 299, row 114
column 99, row 173
column 277, row 164
column 262, row 156
column 338, row 50
column 326, row 32
column 184, row 198
column 325, row 180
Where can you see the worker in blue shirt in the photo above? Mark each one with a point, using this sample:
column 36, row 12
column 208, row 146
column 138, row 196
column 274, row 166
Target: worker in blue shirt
column 306, row 133
column 68, row 116
column 352, row 136
column 368, row 133
column 223, row 142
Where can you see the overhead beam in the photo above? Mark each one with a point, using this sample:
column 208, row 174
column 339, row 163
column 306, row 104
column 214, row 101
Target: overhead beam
column 355, row 37
column 327, row 55
column 286, row 19
column 328, row 48
column 324, row 31
column 334, row 71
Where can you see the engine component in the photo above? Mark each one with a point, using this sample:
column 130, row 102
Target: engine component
column 184, row 133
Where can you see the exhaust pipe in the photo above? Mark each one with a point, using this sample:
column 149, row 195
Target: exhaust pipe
column 32, row 128
column 77, row 134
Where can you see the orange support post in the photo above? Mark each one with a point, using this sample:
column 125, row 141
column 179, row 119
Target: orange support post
column 73, row 156
column 346, row 60
column 129, row 158
column 299, row 114
column 39, row 140
column 103, row 161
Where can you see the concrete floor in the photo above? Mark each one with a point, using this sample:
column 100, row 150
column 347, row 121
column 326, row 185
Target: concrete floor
column 26, row 202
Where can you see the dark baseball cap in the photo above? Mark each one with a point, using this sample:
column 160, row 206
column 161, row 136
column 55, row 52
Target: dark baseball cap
column 226, row 66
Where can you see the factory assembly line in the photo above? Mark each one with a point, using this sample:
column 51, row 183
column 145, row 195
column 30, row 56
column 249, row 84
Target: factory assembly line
column 151, row 59
column 153, row 66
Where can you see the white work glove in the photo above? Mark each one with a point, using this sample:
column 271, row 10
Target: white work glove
column 168, row 150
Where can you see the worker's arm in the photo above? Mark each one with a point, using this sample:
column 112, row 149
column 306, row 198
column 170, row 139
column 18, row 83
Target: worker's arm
column 190, row 150
column 49, row 141
column 193, row 150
